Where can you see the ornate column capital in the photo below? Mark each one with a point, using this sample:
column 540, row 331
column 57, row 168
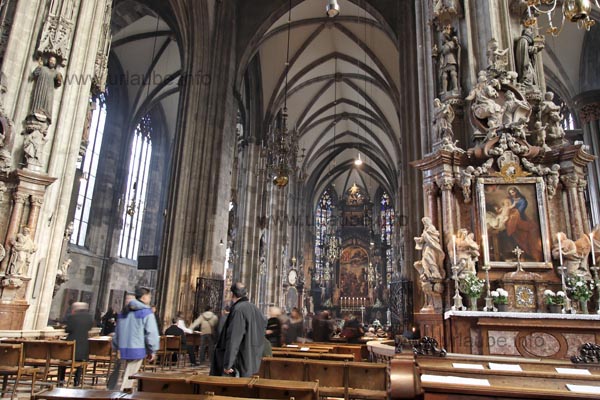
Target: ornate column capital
column 445, row 182
column 582, row 185
column 590, row 112
column 431, row 189
column 20, row 197
column 570, row 181
column 37, row 201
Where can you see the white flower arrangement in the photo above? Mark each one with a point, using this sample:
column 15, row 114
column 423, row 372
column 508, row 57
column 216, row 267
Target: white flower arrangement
column 472, row 286
column 499, row 296
column 555, row 298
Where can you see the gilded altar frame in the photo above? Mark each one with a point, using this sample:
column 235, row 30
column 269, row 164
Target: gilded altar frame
column 504, row 226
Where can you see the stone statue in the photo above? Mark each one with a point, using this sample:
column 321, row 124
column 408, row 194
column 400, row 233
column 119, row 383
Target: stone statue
column 550, row 116
column 22, row 249
column 64, row 267
column 47, row 79
column 33, row 146
column 443, row 115
column 570, row 255
column 449, row 60
column 514, row 109
column 466, row 181
column 484, row 97
column 526, row 48
column 497, row 59
column 596, row 236
column 467, row 252
column 446, row 7
column 539, row 133
column 5, row 157
column 431, row 264
column 2, row 252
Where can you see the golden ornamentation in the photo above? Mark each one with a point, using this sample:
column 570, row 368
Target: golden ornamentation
column 510, row 172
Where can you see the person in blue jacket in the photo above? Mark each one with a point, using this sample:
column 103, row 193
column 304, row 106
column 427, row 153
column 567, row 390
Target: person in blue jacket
column 136, row 335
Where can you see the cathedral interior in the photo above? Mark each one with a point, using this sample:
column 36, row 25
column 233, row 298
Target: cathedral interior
column 372, row 159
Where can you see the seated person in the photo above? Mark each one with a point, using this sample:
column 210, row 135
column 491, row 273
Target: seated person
column 174, row 330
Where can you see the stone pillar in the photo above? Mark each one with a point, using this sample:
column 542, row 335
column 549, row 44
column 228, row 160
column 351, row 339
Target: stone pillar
column 34, row 212
column 19, row 199
column 432, row 191
column 571, row 183
column 589, row 114
column 206, row 128
column 449, row 227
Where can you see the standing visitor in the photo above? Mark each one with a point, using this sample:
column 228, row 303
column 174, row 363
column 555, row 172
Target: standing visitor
column 208, row 327
column 136, row 335
column 240, row 345
column 79, row 323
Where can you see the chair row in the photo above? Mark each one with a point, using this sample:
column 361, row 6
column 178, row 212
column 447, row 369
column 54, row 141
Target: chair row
column 254, row 387
column 336, row 378
column 49, row 356
column 12, row 365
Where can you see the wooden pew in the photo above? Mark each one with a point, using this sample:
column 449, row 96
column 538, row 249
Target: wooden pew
column 222, row 385
column 163, row 383
column 435, row 378
column 316, row 356
column 346, row 379
column 96, row 394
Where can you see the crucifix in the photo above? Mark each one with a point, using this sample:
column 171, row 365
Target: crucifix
column 518, row 252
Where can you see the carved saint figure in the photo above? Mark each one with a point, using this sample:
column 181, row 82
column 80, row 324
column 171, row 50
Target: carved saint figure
column 497, row 59
column 539, row 133
column 443, row 115
column 47, row 78
column 570, row 255
column 514, row 109
column 552, row 118
column 22, row 249
column 33, row 146
column 5, row 157
column 431, row 264
column 525, row 50
column 485, row 105
column 449, row 60
column 467, row 252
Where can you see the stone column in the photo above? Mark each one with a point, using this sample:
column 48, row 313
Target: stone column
column 589, row 115
column 432, row 191
column 19, row 199
column 571, row 183
column 34, row 212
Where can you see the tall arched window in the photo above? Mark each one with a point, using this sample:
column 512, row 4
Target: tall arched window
column 88, row 166
column 137, row 185
column 323, row 216
column 386, row 223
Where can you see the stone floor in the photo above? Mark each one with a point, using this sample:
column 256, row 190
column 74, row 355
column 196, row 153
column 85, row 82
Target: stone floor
column 23, row 394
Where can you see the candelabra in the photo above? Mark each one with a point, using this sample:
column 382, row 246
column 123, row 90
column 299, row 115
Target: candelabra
column 489, row 303
column 458, row 305
column 567, row 308
column 594, row 268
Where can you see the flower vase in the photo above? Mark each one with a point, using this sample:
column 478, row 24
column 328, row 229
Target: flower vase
column 502, row 307
column 583, row 305
column 473, row 303
column 554, row 308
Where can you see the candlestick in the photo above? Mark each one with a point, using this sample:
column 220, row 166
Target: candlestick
column 454, row 247
column 592, row 244
column 559, row 249
column 458, row 305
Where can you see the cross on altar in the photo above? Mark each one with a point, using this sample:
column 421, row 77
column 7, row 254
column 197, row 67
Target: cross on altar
column 518, row 252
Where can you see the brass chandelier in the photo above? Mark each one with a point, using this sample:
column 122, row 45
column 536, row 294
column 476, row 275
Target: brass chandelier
column 283, row 144
column 577, row 11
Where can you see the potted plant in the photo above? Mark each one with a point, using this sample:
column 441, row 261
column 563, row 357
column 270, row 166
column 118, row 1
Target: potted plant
column 500, row 299
column 555, row 301
column 472, row 287
column 581, row 290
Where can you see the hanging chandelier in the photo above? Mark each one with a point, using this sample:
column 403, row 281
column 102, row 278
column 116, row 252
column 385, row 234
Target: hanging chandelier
column 577, row 11
column 283, row 144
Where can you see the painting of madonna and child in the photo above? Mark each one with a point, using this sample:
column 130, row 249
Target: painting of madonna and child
column 512, row 218
column 354, row 262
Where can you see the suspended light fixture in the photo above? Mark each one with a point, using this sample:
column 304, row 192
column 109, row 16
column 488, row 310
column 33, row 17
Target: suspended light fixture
column 332, row 9
column 358, row 162
column 577, row 11
column 283, row 148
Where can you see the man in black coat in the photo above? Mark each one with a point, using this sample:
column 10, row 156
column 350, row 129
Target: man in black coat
column 241, row 341
column 174, row 330
column 79, row 323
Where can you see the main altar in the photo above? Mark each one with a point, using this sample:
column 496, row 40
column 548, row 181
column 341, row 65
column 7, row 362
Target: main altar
column 506, row 232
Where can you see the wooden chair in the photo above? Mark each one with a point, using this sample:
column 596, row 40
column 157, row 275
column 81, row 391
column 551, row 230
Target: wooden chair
column 101, row 359
column 173, row 345
column 11, row 364
column 193, row 339
column 62, row 354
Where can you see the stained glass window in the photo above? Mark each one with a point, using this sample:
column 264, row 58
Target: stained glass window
column 137, row 186
column 386, row 224
column 323, row 218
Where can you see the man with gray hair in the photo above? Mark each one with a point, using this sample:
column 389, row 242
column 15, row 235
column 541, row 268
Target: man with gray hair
column 240, row 345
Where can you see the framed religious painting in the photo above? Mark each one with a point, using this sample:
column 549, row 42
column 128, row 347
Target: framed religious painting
column 513, row 214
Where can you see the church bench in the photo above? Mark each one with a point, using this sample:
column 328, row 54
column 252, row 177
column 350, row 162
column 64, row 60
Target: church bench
column 283, row 368
column 308, row 349
column 367, row 380
column 316, row 356
column 163, row 382
column 284, row 389
column 441, row 378
column 222, row 385
column 332, row 377
column 98, row 394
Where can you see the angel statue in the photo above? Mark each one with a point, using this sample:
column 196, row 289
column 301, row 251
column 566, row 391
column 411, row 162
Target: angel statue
column 467, row 252
column 431, row 264
column 497, row 59
column 572, row 254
